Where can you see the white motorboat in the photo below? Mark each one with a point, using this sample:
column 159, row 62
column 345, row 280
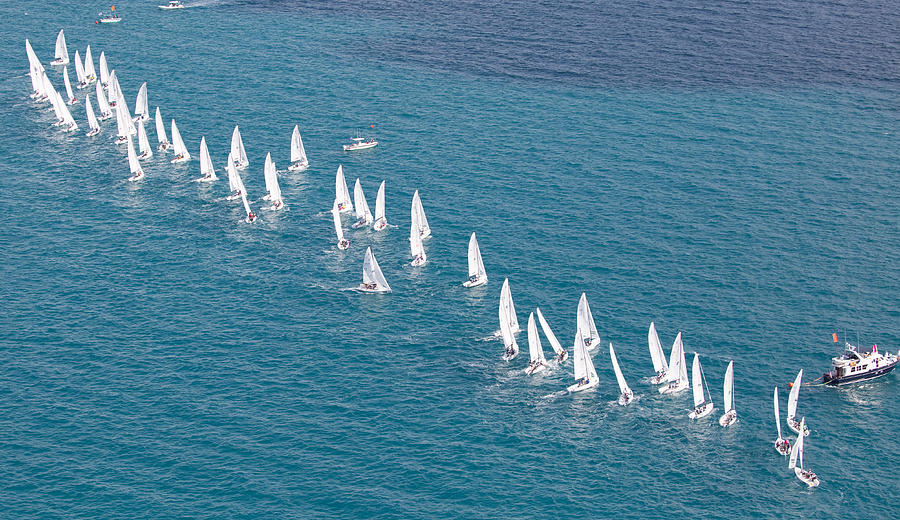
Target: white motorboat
column 676, row 377
column 782, row 445
column 730, row 415
column 110, row 17
column 806, row 476
column 373, row 278
column 793, row 398
column 854, row 366
column 585, row 373
column 360, row 143
column 561, row 353
column 380, row 220
column 625, row 393
column 299, row 162
column 538, row 362
column 477, row 276
column 703, row 404
column 173, row 4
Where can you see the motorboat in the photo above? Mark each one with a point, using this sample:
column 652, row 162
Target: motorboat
column 853, row 366
column 173, row 4
column 360, row 143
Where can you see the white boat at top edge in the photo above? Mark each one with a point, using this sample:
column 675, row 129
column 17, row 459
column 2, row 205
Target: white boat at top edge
column 360, row 143
column 173, row 4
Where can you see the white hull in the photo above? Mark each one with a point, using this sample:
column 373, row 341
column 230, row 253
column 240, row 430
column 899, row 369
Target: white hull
column 298, row 166
column 276, row 206
column 673, row 388
column 344, row 208
column 359, row 146
column 93, row 132
column 380, row 224
column 807, row 477
column 359, row 223
column 343, row 245
column 476, row 283
column 180, row 160
column 362, row 288
column 658, row 379
column 234, row 196
column 794, row 425
column 250, row 220
column 702, row 411
column 534, row 369
column 510, row 355
column 624, row 399
column 59, row 63
column 418, row 262
column 783, row 446
column 163, row 146
column 578, row 387
column 562, row 357
column 728, row 418
column 136, row 177
column 207, row 179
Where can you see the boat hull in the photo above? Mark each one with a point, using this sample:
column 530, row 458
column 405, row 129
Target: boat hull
column 361, row 146
column 534, row 369
column 728, row 418
column 343, row 245
column 829, row 379
column 362, row 288
column 476, row 283
column 658, row 379
column 783, row 446
column 578, row 387
column 624, row 399
column 807, row 477
column 672, row 388
column 418, row 262
column 298, row 167
column 379, row 224
column 702, row 411
column 794, row 425
column 136, row 177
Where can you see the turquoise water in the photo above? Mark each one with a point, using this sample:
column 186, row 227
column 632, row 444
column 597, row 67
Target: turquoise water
column 732, row 177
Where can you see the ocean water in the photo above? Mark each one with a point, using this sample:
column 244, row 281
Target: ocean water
column 729, row 171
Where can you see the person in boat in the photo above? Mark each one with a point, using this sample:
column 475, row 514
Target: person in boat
column 179, row 157
column 473, row 278
column 251, row 216
column 560, row 356
column 344, row 243
column 587, row 343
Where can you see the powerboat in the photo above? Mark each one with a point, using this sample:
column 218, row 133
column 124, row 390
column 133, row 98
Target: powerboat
column 173, row 4
column 853, row 366
column 360, row 143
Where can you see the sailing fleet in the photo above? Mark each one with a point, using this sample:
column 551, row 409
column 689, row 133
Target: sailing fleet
column 671, row 375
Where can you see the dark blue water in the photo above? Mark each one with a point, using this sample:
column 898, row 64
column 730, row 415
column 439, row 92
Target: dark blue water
column 725, row 170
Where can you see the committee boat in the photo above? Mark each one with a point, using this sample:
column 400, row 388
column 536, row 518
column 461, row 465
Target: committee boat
column 173, row 4
column 853, row 366
column 360, row 143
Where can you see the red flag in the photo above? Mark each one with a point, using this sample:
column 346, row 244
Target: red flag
column 875, row 349
column 834, row 336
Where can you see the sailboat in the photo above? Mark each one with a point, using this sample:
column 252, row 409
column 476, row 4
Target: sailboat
column 782, row 446
column 730, row 415
column 103, row 104
column 141, row 109
column 363, row 215
column 36, row 72
column 238, row 154
column 793, row 397
column 561, row 353
column 341, row 193
column 143, row 142
column 104, row 69
column 234, row 180
column 477, row 276
column 161, row 133
column 625, row 393
column 373, row 279
column 703, row 404
column 111, row 89
column 343, row 243
column 61, row 54
column 92, row 120
column 207, row 171
column 416, row 249
column 585, row 373
column 510, row 347
column 271, row 177
column 69, row 94
column 805, row 475
column 90, row 74
column 676, row 376
column 538, row 362
column 506, row 300
column 181, row 152
column 380, row 221
column 79, row 72
column 124, row 124
column 657, row 356
column 251, row 217
column 299, row 162
column 136, row 172
column 585, row 324
column 418, row 216
column 56, row 103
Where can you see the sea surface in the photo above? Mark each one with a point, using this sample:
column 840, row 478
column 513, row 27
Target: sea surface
column 725, row 169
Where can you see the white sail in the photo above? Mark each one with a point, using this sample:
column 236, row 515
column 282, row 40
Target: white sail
column 363, row 215
column 237, row 149
column 372, row 273
column 551, row 337
column 79, row 70
column 794, row 396
column 104, row 69
column 143, row 142
column 124, row 125
column 271, row 177
column 133, row 163
column 535, row 349
column 161, row 137
column 729, row 388
column 207, row 170
column 580, row 354
column 90, row 74
column 33, row 60
column 697, row 382
column 589, row 365
column 380, row 220
column 675, row 360
column 178, row 143
column 797, row 449
column 141, row 110
column 777, row 414
column 67, row 119
column 92, row 119
column 61, row 54
column 416, row 249
column 507, row 300
column 623, row 386
column 419, row 216
column 656, row 352
column 476, row 265
column 511, row 348
column 585, row 323
column 53, row 97
column 341, row 193
column 234, row 181
column 111, row 89
column 102, row 103
column 298, row 152
column 70, row 97
column 336, row 217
